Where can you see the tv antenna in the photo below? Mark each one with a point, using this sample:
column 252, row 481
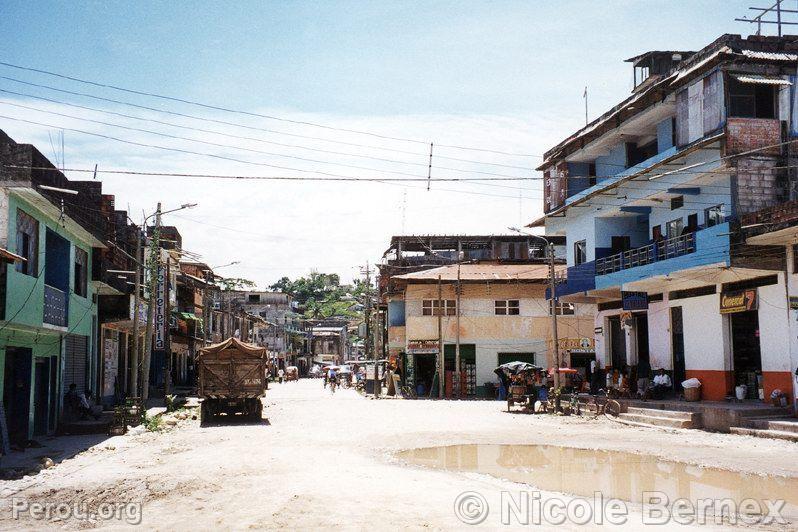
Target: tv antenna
column 775, row 10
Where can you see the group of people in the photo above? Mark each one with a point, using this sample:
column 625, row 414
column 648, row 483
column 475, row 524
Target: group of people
column 646, row 387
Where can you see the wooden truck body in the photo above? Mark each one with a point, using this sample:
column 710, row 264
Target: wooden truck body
column 232, row 378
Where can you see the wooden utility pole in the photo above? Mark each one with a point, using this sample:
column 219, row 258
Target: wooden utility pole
column 133, row 378
column 555, row 337
column 155, row 258
column 441, row 365
column 456, row 384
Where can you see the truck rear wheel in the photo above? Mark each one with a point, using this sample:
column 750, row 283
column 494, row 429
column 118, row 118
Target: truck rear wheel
column 256, row 409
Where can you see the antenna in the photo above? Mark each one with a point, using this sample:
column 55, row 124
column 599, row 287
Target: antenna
column 777, row 10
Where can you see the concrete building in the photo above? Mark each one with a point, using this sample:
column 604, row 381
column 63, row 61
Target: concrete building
column 650, row 197
column 503, row 316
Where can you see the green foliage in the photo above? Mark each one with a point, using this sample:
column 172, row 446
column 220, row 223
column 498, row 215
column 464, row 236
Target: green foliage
column 321, row 295
column 153, row 424
column 234, row 283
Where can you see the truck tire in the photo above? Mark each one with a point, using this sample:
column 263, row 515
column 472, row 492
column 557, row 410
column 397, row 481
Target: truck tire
column 255, row 409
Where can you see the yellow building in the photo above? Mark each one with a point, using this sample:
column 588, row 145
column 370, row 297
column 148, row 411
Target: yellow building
column 503, row 315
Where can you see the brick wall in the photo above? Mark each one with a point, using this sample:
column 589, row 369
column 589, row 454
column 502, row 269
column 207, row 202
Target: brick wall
column 745, row 134
column 759, row 184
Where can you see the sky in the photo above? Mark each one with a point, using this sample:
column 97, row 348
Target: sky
column 492, row 85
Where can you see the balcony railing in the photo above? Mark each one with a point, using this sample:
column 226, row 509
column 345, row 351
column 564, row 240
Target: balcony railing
column 55, row 306
column 666, row 249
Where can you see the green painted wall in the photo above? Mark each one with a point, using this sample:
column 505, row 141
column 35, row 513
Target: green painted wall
column 25, row 301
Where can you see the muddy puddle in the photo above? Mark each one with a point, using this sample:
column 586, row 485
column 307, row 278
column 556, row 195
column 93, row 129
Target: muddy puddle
column 620, row 475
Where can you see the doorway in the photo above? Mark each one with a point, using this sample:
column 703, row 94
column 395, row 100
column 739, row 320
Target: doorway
column 617, row 342
column 746, row 354
column 425, row 373
column 16, row 392
column 641, row 335
column 677, row 339
column 41, row 395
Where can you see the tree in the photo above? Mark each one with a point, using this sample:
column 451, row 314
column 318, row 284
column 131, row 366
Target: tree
column 321, row 295
column 234, row 283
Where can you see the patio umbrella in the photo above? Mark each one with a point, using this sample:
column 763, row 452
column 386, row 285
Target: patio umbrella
column 505, row 371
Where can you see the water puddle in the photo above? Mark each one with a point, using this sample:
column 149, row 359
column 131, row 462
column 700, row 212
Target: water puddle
column 616, row 474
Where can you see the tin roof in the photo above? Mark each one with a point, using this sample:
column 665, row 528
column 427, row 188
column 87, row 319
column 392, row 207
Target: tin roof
column 485, row 273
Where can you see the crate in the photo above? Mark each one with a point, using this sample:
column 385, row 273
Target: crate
column 692, row 394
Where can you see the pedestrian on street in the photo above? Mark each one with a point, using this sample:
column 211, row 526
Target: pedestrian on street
column 280, row 374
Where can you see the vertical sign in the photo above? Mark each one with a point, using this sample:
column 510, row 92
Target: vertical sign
column 160, row 309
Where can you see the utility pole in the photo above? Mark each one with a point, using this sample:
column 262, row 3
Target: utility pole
column 368, row 341
column 441, row 365
column 134, row 361
column 456, row 385
column 555, row 337
column 155, row 257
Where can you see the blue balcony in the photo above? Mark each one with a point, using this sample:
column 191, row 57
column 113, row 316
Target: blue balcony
column 579, row 279
column 706, row 246
column 55, row 306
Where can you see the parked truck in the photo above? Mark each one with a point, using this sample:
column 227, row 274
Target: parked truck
column 232, row 379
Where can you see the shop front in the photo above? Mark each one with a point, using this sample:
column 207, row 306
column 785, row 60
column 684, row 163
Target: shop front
column 742, row 311
column 421, row 357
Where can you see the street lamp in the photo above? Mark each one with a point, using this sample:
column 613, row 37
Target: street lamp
column 136, row 296
column 552, row 287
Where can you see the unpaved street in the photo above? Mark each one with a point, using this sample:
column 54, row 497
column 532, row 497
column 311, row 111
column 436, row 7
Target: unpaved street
column 322, row 460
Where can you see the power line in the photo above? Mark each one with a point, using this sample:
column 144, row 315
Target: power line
column 249, row 113
column 242, row 148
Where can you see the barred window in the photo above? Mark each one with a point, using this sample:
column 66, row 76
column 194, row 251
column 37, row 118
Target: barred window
column 506, row 307
column 27, row 243
column 431, row 307
column 81, row 272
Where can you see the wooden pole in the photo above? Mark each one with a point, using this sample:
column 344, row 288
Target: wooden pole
column 441, row 365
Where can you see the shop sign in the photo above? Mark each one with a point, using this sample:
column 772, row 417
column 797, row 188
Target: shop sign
column 422, row 347
column 731, row 302
column 794, row 302
column 577, row 345
column 160, row 309
column 598, row 330
column 635, row 300
column 110, row 366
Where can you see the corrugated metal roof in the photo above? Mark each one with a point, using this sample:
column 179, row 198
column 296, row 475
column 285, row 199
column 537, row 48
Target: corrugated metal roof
column 760, row 80
column 485, row 272
column 769, row 56
column 7, row 256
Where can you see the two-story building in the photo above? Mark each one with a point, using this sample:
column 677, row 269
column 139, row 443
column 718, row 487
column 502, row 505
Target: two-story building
column 503, row 315
column 650, row 197
column 48, row 322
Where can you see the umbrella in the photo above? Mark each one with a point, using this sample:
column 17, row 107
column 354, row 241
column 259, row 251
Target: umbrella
column 505, row 371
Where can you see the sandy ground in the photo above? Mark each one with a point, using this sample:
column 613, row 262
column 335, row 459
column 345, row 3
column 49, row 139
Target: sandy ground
column 319, row 461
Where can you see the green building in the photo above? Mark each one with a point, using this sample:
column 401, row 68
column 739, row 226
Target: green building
column 49, row 312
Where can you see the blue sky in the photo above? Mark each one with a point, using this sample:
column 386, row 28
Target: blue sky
column 500, row 75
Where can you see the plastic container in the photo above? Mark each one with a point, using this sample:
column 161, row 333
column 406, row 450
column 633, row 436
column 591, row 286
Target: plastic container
column 741, row 391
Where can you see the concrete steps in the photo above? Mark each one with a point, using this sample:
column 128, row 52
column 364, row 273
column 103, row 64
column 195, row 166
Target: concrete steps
column 662, row 418
column 777, row 427
column 760, row 433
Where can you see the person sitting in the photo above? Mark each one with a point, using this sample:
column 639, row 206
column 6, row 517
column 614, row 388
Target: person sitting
column 662, row 383
column 72, row 401
column 87, row 406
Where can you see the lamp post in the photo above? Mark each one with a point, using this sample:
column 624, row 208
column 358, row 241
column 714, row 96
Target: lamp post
column 136, row 300
column 553, row 307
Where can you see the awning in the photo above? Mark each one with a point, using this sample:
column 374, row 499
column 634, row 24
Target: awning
column 760, row 80
column 188, row 316
column 7, row 256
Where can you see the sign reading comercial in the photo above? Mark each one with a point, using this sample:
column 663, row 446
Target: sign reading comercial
column 422, row 347
column 739, row 301
column 160, row 309
column 635, row 300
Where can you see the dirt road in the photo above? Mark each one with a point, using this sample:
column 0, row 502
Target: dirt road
column 323, row 460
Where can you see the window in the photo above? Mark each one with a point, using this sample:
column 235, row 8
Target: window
column 674, row 228
column 563, row 309
column 677, row 202
column 430, row 307
column 713, row 216
column 253, row 298
column 692, row 223
column 795, row 258
column 507, row 307
column 751, row 100
column 580, row 252
column 27, row 243
column 81, row 272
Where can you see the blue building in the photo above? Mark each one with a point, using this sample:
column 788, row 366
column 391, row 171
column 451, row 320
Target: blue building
column 650, row 196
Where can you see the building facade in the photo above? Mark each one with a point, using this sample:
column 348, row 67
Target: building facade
column 503, row 315
column 650, row 197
